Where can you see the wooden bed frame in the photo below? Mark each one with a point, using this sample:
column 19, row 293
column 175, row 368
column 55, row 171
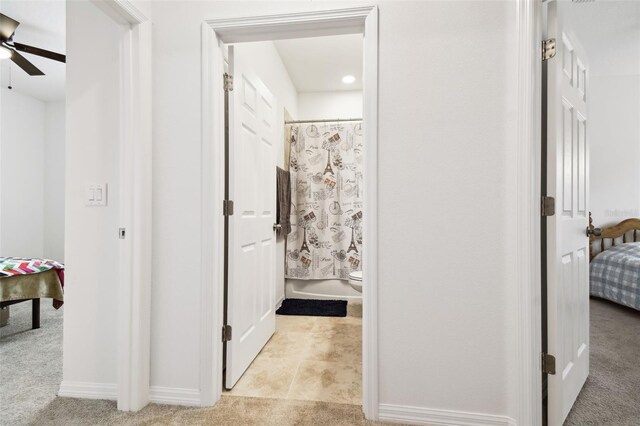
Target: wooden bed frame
column 628, row 230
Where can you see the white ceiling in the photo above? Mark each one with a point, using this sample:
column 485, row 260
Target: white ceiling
column 318, row 64
column 42, row 24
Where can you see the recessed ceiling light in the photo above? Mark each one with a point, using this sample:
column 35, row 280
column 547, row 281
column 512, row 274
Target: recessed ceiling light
column 4, row 53
column 348, row 79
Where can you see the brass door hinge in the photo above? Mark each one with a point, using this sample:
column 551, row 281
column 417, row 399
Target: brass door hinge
column 226, row 333
column 228, row 82
column 548, row 206
column 548, row 49
column 227, row 207
column 548, row 364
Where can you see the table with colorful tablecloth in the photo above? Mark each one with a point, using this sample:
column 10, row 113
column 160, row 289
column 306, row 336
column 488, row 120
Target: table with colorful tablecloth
column 31, row 279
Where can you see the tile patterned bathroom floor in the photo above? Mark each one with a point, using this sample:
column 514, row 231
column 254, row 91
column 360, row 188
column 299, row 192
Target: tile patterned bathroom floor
column 309, row 358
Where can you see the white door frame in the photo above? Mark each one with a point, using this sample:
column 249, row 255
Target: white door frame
column 134, row 280
column 259, row 28
column 526, row 294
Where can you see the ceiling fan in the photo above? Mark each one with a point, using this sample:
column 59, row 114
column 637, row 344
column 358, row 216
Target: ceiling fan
column 10, row 48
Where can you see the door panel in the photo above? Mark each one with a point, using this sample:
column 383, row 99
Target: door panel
column 252, row 185
column 567, row 242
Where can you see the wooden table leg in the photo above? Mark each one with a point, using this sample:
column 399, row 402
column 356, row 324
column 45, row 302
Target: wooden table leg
column 35, row 314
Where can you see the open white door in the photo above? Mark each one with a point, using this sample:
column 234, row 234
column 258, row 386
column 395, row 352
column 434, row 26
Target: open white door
column 567, row 241
column 252, row 187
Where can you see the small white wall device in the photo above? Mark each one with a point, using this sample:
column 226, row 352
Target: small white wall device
column 95, row 194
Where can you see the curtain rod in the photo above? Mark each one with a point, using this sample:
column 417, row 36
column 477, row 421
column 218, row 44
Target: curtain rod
column 322, row 121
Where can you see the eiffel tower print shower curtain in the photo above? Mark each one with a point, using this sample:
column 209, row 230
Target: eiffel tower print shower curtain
column 326, row 164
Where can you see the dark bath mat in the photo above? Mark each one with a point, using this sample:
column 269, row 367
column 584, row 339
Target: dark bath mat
column 313, row 308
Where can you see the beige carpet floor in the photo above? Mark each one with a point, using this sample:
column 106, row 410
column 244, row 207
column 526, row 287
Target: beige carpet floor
column 30, row 362
column 29, row 380
column 232, row 411
column 611, row 396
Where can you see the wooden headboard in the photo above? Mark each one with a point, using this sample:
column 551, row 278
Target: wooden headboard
column 627, row 231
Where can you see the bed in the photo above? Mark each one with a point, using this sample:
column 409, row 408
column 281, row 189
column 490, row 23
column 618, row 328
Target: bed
column 614, row 256
column 29, row 280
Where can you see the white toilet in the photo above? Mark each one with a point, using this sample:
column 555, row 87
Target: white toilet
column 355, row 280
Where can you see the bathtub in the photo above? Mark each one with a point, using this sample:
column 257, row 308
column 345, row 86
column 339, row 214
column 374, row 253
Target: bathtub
column 321, row 289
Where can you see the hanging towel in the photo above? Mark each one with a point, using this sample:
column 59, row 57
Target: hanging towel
column 283, row 204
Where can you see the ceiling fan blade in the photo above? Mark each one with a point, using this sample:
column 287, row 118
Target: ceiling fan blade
column 7, row 26
column 40, row 52
column 27, row 66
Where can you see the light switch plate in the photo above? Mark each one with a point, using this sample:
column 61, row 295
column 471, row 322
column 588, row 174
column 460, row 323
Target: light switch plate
column 95, row 194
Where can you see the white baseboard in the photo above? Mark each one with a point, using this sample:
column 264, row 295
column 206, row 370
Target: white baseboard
column 279, row 302
column 174, row 396
column 88, row 390
column 428, row 416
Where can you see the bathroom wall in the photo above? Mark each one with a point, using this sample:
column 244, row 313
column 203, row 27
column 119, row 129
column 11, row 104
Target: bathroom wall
column 328, row 105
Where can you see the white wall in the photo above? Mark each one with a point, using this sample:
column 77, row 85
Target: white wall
column 32, row 177
column 265, row 61
column 614, row 112
column 613, row 103
column 447, row 126
column 22, row 134
column 53, row 171
column 445, row 157
column 329, row 105
column 91, row 242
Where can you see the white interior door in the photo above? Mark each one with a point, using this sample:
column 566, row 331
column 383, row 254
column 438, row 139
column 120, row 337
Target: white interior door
column 252, row 187
column 567, row 241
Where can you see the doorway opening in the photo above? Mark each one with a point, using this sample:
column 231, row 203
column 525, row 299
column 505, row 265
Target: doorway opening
column 309, row 169
column 32, row 204
column 590, row 151
column 90, row 163
column 217, row 35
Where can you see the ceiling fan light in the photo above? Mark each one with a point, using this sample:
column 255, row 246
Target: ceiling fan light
column 5, row 53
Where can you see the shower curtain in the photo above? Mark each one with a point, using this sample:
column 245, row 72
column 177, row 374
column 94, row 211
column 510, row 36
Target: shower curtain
column 326, row 196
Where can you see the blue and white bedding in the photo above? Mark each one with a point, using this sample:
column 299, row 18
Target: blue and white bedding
column 615, row 275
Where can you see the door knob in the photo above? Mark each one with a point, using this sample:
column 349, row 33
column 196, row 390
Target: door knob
column 596, row 232
column 277, row 227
